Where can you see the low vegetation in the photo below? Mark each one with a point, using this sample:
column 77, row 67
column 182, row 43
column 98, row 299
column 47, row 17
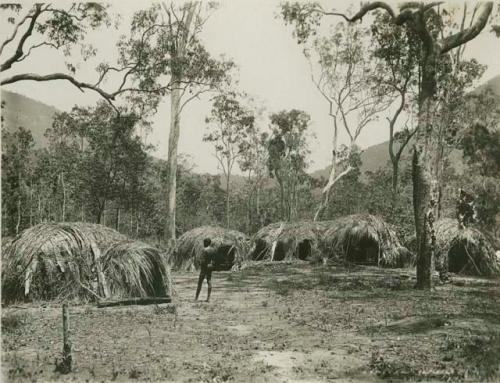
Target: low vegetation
column 273, row 322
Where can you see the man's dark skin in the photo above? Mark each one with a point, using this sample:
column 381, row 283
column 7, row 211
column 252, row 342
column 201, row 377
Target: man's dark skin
column 206, row 267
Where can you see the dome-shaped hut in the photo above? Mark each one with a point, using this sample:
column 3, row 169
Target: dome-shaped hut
column 365, row 239
column 231, row 248
column 287, row 240
column 463, row 250
column 78, row 261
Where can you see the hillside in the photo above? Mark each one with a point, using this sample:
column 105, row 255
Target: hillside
column 33, row 115
column 377, row 156
column 493, row 84
column 37, row 117
column 373, row 158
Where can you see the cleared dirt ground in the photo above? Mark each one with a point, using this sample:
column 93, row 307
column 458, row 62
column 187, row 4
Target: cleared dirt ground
column 272, row 323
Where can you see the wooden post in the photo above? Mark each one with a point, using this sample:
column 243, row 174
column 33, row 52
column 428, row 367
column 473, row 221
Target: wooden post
column 67, row 362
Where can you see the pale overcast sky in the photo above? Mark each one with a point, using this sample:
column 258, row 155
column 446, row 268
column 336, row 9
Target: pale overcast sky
column 272, row 68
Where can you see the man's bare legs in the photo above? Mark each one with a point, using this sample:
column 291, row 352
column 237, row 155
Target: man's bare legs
column 209, row 283
column 200, row 283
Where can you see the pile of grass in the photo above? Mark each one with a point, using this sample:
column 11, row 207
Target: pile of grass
column 354, row 231
column 136, row 269
column 190, row 246
column 476, row 252
column 282, row 240
column 62, row 261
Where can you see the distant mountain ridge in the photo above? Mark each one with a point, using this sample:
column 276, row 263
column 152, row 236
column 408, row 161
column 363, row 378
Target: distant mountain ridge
column 376, row 157
column 36, row 116
column 24, row 111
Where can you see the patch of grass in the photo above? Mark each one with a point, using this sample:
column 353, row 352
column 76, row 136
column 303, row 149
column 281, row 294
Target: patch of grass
column 401, row 370
column 14, row 321
column 221, row 372
column 481, row 354
column 134, row 373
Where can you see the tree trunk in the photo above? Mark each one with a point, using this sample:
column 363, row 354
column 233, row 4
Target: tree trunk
column 31, row 202
column 440, row 163
column 282, row 199
column 326, row 191
column 63, row 213
column 131, row 222
column 424, row 186
column 173, row 141
column 137, row 226
column 249, row 203
column 39, row 206
column 331, row 179
column 117, row 222
column 175, row 111
column 423, row 209
column 257, row 201
column 395, row 180
column 228, row 196
column 18, row 223
column 101, row 212
column 49, row 210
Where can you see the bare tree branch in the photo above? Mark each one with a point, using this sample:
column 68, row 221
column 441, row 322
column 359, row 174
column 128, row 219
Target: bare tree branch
column 57, row 76
column 33, row 47
column 14, row 33
column 19, row 50
column 196, row 95
column 470, row 33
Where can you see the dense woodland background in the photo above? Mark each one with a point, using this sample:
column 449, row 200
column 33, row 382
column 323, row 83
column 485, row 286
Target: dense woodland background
column 94, row 164
column 55, row 171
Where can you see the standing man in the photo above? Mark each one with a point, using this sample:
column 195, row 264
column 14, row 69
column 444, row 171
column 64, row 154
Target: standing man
column 206, row 267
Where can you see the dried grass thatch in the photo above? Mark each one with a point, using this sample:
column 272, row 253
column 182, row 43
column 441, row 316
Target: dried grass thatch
column 136, row 269
column 463, row 250
column 283, row 241
column 63, row 261
column 365, row 239
column 231, row 248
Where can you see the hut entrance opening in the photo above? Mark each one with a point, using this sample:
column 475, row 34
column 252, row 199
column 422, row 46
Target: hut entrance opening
column 457, row 258
column 279, row 251
column 260, row 250
column 365, row 251
column 304, row 250
column 224, row 257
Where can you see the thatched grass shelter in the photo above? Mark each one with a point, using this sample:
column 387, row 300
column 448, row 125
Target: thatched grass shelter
column 62, row 261
column 231, row 248
column 365, row 239
column 282, row 241
column 136, row 269
column 463, row 250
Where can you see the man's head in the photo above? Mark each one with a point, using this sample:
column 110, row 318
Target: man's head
column 207, row 242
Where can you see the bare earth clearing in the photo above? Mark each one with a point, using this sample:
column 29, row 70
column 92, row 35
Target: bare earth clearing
column 267, row 323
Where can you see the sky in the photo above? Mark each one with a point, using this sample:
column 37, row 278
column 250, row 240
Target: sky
column 272, row 69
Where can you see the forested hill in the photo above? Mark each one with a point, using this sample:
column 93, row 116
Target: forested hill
column 377, row 156
column 493, row 84
column 30, row 114
column 36, row 116
column 23, row 111
column 373, row 158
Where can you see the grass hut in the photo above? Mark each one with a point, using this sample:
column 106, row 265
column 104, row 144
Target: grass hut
column 63, row 261
column 463, row 250
column 231, row 248
column 365, row 239
column 287, row 241
column 136, row 269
